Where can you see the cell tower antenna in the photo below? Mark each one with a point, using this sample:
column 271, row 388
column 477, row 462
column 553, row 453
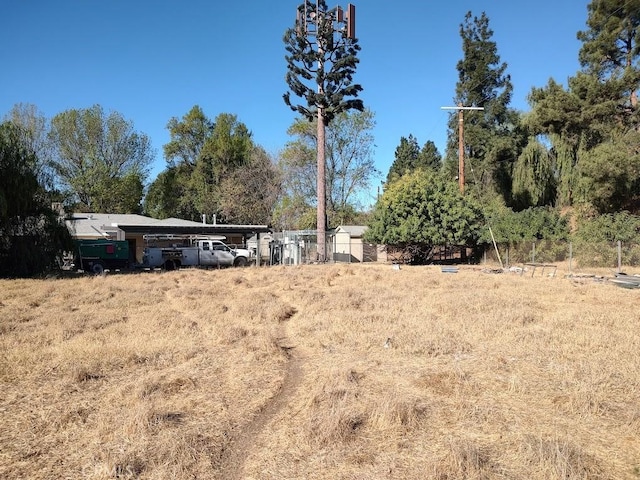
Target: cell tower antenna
column 314, row 22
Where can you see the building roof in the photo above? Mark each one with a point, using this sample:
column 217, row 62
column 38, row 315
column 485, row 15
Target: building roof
column 355, row 231
column 98, row 225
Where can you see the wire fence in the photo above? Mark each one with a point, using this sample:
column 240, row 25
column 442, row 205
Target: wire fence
column 300, row 247
column 304, row 251
column 576, row 254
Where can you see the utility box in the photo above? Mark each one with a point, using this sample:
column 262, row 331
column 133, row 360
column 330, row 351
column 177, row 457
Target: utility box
column 96, row 255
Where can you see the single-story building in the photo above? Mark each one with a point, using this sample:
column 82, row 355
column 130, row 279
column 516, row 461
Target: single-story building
column 349, row 246
column 137, row 229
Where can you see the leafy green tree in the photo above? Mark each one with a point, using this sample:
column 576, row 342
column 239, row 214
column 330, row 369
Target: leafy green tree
column 96, row 152
column 171, row 195
column 32, row 236
column 556, row 115
column 33, row 129
column 293, row 213
column 609, row 228
column 249, row 194
column 518, row 233
column 125, row 194
column 298, row 165
column 187, row 137
column 596, row 236
column 201, row 156
column 321, row 62
column 227, row 149
column 611, row 173
column 409, row 157
column 492, row 137
column 533, row 177
column 531, row 224
column 161, row 200
column 350, row 167
column 422, row 210
column 174, row 192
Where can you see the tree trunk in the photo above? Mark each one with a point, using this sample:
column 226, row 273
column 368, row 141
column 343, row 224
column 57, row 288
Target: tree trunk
column 321, row 188
column 634, row 88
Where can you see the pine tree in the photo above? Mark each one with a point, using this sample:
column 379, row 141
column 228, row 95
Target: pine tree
column 611, row 48
column 406, row 157
column 430, row 157
column 321, row 62
column 409, row 157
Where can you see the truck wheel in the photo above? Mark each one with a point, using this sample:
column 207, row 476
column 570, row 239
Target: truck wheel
column 97, row 268
column 169, row 265
column 240, row 262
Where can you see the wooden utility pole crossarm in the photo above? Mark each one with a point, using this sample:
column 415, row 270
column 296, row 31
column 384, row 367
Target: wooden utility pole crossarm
column 460, row 108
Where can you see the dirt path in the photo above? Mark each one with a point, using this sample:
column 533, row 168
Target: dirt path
column 245, row 441
column 230, row 465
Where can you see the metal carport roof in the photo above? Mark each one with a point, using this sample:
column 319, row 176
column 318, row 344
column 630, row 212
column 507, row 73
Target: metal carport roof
column 99, row 225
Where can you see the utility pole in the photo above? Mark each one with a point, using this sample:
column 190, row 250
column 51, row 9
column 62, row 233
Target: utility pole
column 313, row 22
column 461, row 110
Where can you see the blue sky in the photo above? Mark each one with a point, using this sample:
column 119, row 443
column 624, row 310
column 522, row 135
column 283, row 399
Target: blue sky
column 152, row 60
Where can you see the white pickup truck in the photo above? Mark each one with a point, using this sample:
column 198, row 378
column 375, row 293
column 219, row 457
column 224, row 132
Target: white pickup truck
column 207, row 253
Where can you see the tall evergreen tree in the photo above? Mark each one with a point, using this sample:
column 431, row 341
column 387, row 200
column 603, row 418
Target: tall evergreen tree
column 321, row 62
column 406, row 156
column 491, row 136
column 409, row 157
column 611, row 45
column 430, row 158
column 589, row 124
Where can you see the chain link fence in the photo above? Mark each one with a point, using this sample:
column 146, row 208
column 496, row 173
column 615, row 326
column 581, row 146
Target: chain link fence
column 300, row 247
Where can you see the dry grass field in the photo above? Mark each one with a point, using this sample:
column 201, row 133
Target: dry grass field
column 286, row 373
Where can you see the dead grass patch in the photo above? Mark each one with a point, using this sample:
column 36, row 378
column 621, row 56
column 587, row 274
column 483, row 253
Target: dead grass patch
column 160, row 375
column 556, row 458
